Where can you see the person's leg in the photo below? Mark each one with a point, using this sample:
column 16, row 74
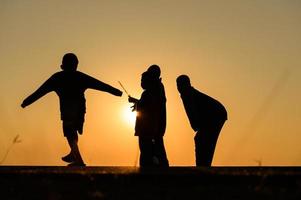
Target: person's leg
column 208, row 143
column 75, row 150
column 211, row 138
column 145, row 146
column 160, row 152
column 72, row 138
column 67, row 133
column 200, row 149
column 69, row 157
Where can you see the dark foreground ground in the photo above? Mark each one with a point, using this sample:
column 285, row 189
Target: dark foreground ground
column 134, row 183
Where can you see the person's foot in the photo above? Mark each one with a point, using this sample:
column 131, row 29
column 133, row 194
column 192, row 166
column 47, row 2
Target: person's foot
column 77, row 164
column 68, row 158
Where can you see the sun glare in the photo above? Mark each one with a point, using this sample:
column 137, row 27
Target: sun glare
column 129, row 116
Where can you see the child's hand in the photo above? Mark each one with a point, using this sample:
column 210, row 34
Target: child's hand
column 132, row 100
column 133, row 107
column 24, row 104
column 118, row 93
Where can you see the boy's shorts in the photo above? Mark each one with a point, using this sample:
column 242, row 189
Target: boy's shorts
column 71, row 128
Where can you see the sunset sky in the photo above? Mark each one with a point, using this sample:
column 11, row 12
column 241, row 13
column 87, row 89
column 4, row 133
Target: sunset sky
column 246, row 54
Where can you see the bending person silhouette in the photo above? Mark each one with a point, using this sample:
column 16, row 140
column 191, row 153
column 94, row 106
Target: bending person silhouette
column 206, row 116
column 70, row 85
column 151, row 119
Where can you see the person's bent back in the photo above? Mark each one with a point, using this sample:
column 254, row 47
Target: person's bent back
column 206, row 116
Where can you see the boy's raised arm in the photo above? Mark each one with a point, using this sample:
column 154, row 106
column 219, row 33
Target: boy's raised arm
column 99, row 85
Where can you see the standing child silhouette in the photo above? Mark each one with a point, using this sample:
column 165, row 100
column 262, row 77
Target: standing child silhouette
column 151, row 119
column 70, row 85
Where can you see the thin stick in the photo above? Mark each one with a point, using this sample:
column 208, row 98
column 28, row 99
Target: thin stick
column 123, row 88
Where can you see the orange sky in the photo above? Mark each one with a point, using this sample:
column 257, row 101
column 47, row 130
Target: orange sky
column 243, row 53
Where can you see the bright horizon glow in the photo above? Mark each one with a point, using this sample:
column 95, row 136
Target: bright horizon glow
column 129, row 116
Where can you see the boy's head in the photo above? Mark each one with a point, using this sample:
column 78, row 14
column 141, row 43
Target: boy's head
column 183, row 84
column 146, row 80
column 154, row 71
column 69, row 62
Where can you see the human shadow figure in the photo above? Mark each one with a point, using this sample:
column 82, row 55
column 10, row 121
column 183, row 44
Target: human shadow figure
column 151, row 119
column 70, row 86
column 206, row 116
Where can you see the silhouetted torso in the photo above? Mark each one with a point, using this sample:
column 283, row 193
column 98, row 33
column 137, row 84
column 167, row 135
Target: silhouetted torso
column 70, row 87
column 151, row 119
column 202, row 110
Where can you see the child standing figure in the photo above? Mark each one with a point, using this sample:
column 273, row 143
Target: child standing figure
column 151, row 119
column 70, row 85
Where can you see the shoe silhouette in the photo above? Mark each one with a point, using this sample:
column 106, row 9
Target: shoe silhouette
column 68, row 158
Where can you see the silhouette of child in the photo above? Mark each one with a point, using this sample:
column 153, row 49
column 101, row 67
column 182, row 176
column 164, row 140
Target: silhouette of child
column 151, row 119
column 70, row 85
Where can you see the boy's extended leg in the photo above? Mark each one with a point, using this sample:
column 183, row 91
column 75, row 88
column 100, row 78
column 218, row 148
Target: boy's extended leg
column 68, row 158
column 78, row 161
column 70, row 133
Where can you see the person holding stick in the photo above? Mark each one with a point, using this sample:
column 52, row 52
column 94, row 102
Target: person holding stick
column 151, row 119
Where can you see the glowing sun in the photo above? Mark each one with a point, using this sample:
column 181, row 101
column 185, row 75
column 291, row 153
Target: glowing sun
column 129, row 116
